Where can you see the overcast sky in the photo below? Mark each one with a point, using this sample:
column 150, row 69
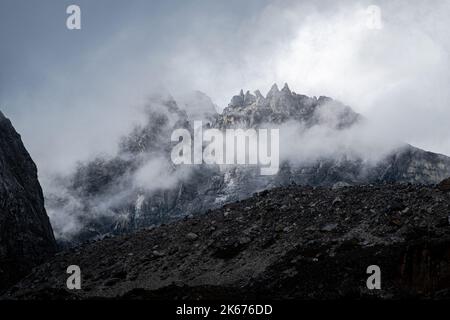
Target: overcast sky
column 71, row 93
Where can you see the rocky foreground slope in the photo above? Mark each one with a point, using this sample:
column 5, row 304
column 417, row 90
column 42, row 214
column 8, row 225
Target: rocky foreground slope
column 290, row 242
column 26, row 237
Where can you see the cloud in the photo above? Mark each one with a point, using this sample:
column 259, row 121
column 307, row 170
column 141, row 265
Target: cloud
column 91, row 93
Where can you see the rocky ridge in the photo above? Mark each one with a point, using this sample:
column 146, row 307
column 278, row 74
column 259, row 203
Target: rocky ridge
column 200, row 188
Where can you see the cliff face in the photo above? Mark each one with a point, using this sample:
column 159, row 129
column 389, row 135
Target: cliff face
column 26, row 236
column 104, row 197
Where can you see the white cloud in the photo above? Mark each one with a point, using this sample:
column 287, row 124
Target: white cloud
column 158, row 174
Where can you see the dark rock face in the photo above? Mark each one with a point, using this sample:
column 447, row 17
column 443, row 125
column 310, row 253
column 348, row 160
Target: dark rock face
column 444, row 185
column 26, row 237
column 285, row 243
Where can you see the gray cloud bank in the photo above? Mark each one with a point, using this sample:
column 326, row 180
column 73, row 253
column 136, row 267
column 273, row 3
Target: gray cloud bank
column 73, row 95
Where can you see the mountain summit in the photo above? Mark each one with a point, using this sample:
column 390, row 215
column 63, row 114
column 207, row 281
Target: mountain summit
column 281, row 106
column 26, row 237
column 140, row 187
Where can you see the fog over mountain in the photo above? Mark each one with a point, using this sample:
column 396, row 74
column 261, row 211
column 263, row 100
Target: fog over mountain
column 58, row 86
column 322, row 143
column 237, row 150
column 74, row 95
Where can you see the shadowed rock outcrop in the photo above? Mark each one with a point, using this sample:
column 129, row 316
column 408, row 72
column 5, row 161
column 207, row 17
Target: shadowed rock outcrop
column 444, row 185
column 26, row 237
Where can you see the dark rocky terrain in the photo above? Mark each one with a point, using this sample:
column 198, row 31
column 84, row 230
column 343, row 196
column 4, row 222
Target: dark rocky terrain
column 289, row 242
column 26, row 237
column 102, row 198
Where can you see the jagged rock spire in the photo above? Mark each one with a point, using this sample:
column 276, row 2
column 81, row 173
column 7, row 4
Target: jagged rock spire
column 249, row 98
column 286, row 89
column 273, row 91
column 242, row 99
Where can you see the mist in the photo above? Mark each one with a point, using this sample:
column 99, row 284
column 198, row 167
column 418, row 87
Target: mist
column 73, row 94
